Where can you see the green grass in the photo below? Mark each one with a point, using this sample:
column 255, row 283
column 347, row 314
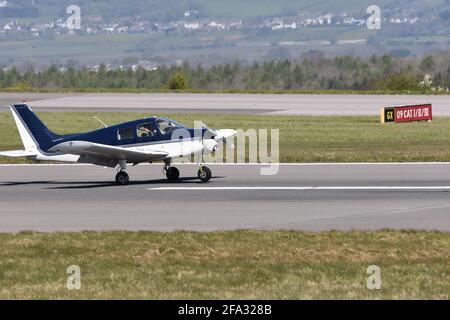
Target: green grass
column 302, row 139
column 227, row 265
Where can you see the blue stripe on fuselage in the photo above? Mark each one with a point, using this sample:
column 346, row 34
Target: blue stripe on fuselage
column 46, row 139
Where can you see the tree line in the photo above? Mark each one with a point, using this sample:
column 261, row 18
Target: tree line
column 311, row 73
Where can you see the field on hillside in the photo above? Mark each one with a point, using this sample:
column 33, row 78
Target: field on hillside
column 94, row 49
column 302, row 139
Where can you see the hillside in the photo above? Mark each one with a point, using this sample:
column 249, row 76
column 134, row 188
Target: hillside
column 174, row 9
column 161, row 32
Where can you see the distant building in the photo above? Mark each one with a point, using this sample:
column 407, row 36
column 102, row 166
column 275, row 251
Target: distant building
column 194, row 25
column 190, row 13
column 278, row 24
column 149, row 66
column 216, row 25
column 12, row 26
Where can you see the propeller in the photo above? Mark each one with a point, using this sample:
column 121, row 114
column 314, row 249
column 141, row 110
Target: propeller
column 223, row 135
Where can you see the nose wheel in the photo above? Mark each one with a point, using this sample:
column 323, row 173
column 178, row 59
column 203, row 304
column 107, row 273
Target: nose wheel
column 122, row 178
column 204, row 174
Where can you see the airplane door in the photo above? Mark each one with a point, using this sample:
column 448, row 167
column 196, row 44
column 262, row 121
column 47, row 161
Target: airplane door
column 182, row 145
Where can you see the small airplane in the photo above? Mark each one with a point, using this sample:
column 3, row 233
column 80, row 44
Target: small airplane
column 139, row 141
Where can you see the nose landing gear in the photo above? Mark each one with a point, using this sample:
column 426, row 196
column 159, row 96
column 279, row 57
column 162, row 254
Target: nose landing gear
column 204, row 173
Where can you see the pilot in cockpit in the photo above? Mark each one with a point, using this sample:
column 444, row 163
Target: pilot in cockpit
column 145, row 130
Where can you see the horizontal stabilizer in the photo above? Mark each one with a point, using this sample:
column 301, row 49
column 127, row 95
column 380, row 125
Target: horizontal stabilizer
column 17, row 153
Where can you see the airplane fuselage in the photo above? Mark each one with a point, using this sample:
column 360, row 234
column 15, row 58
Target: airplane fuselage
column 144, row 140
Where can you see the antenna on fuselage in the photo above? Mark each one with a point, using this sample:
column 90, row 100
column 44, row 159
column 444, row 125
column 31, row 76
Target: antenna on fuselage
column 104, row 124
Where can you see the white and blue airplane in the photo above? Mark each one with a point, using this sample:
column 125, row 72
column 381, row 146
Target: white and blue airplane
column 139, row 141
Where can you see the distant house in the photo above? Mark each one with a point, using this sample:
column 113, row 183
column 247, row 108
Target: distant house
column 354, row 22
column 35, row 31
column 216, row 25
column 235, row 24
column 12, row 26
column 193, row 25
column 278, row 24
column 328, row 18
column 149, row 66
column 190, row 13
column 292, row 25
column 140, row 26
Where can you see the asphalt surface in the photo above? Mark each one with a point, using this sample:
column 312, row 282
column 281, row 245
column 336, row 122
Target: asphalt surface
column 301, row 197
column 271, row 104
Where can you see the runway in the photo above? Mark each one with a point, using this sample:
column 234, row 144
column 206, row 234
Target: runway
column 312, row 197
column 266, row 104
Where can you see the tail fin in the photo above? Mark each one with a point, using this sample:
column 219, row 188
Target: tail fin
column 34, row 133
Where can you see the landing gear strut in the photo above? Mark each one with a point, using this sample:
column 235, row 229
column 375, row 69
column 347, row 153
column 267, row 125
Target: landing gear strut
column 172, row 173
column 122, row 177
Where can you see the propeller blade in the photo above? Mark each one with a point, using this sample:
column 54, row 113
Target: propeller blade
column 211, row 131
column 223, row 135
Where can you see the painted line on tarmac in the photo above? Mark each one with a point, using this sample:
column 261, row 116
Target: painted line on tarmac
column 331, row 188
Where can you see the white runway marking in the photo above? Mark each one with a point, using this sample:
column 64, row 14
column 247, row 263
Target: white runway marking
column 336, row 188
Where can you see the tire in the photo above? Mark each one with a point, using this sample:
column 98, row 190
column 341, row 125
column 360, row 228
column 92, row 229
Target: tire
column 204, row 174
column 122, row 178
column 172, row 174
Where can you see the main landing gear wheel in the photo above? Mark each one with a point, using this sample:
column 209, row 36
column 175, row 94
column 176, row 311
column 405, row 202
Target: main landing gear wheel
column 172, row 174
column 122, row 178
column 204, row 174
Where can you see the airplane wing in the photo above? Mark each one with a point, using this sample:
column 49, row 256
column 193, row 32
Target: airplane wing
column 102, row 151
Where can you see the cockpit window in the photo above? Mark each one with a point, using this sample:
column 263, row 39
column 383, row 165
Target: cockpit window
column 167, row 126
column 145, row 130
column 125, row 133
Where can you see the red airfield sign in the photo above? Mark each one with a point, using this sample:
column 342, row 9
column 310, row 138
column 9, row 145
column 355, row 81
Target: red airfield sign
column 421, row 112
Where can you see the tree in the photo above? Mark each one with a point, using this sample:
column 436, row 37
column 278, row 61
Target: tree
column 427, row 64
column 178, row 82
column 401, row 81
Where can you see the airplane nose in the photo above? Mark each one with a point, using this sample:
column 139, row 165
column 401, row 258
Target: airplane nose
column 226, row 133
column 210, row 145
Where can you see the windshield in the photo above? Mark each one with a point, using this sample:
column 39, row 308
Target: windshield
column 167, row 125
